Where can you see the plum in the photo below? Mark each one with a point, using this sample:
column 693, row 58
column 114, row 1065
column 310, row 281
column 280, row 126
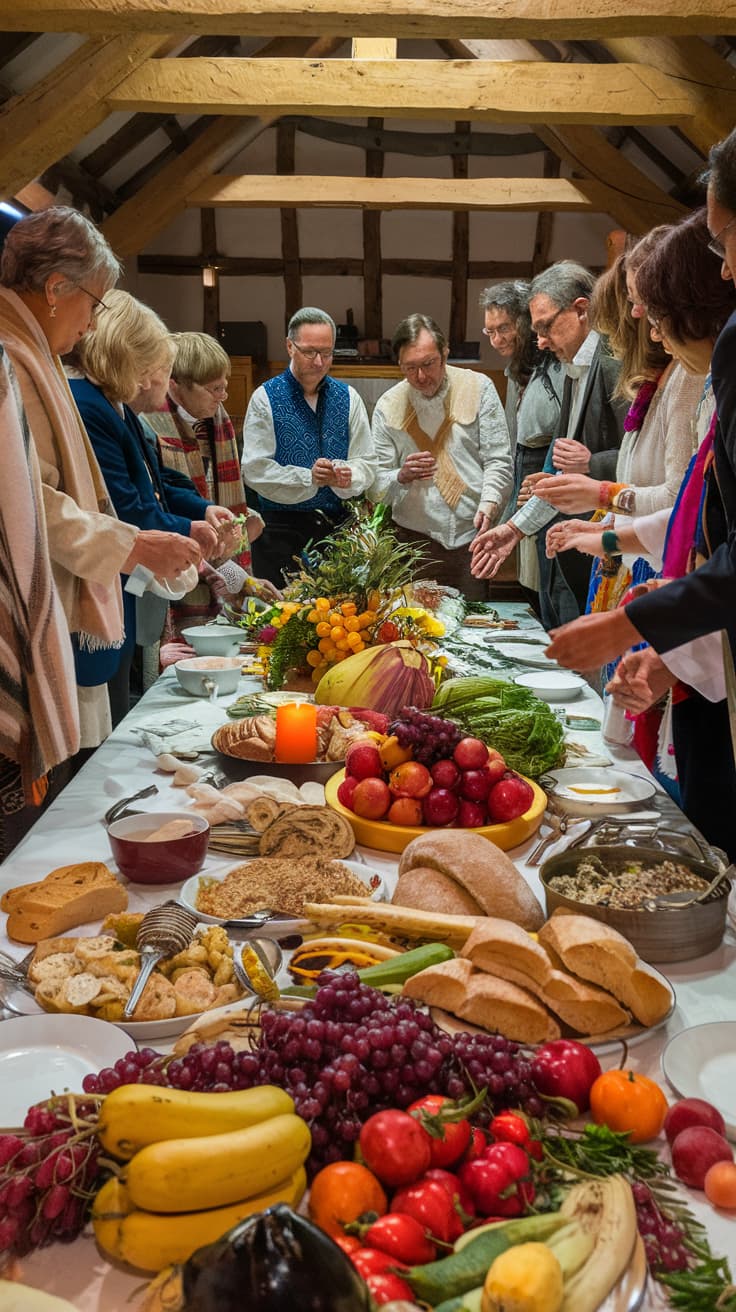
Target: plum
column 694, row 1151
column 692, row 1111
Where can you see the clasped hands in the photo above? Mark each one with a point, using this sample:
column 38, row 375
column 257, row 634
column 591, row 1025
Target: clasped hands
column 331, row 473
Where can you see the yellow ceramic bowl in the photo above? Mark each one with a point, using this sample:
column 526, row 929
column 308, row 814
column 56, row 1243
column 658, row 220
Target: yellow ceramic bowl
column 394, row 838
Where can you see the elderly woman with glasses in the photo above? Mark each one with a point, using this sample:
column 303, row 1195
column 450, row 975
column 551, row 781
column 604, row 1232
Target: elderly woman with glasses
column 196, row 438
column 55, row 271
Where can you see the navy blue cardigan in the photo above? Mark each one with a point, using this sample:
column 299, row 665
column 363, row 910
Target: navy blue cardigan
column 141, row 488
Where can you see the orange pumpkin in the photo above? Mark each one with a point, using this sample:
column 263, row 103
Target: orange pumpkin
column 627, row 1102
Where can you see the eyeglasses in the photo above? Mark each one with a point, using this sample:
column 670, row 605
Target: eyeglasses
column 98, row 304
column 216, row 389
column 311, row 353
column 425, row 367
column 503, row 330
column 716, row 245
column 543, row 329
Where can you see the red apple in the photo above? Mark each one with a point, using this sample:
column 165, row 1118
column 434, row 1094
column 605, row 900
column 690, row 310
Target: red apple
column 410, row 779
column 371, row 799
column 687, row 1112
column 509, row 798
column 405, row 811
column 439, row 807
column 471, row 815
column 694, row 1151
column 475, row 785
column 363, row 762
column 445, row 773
column 495, row 768
column 346, row 790
column 470, row 754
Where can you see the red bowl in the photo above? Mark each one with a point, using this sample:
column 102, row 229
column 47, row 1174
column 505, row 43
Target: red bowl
column 168, row 861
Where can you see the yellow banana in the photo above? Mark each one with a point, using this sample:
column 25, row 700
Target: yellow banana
column 151, row 1241
column 605, row 1210
column 135, row 1115
column 189, row 1175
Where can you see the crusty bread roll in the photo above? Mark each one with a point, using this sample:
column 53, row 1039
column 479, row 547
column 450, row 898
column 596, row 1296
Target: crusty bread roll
column 484, row 1000
column 600, row 954
column 503, row 949
column 423, row 888
column 481, row 868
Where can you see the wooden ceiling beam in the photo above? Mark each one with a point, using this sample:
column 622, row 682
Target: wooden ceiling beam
column 473, row 89
column 577, row 19
column 342, row 266
column 14, row 43
column 374, row 47
column 432, row 144
column 711, row 80
column 46, row 122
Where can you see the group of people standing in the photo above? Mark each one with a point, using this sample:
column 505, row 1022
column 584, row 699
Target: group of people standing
column 125, row 492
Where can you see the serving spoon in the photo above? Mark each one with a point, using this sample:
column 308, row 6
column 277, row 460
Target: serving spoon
column 687, row 898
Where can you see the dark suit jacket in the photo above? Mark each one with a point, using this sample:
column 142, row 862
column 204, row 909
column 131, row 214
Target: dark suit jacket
column 705, row 600
column 143, row 491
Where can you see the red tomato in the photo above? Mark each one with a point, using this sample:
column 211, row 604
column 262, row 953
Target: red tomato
column 348, row 1243
column 510, row 1128
column 448, row 1139
column 564, row 1068
column 430, row 1203
column 402, row 1236
column 395, row 1147
column 389, row 1289
column 477, row 1146
column 451, row 1183
column 372, row 1262
column 499, row 1182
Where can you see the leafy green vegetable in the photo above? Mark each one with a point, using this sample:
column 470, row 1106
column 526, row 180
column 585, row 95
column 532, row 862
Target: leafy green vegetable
column 520, row 726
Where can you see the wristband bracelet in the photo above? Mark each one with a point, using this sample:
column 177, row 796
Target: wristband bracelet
column 624, row 501
column 609, row 543
column 604, row 495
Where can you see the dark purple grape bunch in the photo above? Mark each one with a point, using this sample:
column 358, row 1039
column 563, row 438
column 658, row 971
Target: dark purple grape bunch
column 665, row 1240
column 430, row 738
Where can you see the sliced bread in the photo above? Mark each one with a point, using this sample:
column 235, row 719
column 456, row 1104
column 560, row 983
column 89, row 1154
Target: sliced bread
column 485, row 1000
column 601, row 955
column 53, row 908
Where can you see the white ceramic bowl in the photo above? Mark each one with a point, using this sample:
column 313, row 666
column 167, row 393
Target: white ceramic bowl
column 591, row 790
column 198, row 674
column 214, row 639
column 552, row 685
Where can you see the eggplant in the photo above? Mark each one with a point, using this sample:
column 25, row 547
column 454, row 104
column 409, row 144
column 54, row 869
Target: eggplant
column 273, row 1262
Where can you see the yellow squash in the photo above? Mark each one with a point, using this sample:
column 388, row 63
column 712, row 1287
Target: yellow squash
column 135, row 1115
column 151, row 1241
column 189, row 1175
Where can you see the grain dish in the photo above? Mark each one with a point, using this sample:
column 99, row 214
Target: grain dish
column 280, row 883
column 629, row 888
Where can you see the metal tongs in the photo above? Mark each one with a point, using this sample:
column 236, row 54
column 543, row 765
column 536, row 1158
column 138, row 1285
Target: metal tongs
column 120, row 809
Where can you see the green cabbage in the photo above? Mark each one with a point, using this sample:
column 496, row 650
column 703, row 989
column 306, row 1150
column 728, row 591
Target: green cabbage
column 519, row 725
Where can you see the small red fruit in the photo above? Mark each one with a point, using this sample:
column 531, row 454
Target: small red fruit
column 695, row 1151
column 692, row 1111
column 470, row 754
column 363, row 762
column 475, row 785
column 471, row 815
column 410, row 780
column 371, row 799
column 346, row 790
column 404, row 811
column 495, row 769
column 445, row 773
column 439, row 807
column 508, row 799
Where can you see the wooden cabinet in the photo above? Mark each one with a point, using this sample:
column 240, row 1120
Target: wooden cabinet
column 240, row 388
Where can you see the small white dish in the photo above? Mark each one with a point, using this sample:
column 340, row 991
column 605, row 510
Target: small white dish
column 202, row 675
column 43, row 1054
column 214, row 639
column 597, row 790
column 375, row 888
column 552, row 685
column 700, row 1062
column 524, row 653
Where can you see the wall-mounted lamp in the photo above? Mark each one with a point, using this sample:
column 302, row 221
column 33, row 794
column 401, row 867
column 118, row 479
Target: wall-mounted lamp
column 209, row 275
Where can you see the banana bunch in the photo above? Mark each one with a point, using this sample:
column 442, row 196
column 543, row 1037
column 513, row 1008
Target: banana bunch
column 605, row 1210
column 196, row 1164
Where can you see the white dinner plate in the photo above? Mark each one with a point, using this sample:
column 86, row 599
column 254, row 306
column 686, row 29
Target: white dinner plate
column 375, row 888
column 700, row 1062
column 591, row 790
column 524, row 653
column 45, row 1054
column 552, row 685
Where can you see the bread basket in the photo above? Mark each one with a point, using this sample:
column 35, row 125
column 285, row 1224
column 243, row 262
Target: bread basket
column 674, row 934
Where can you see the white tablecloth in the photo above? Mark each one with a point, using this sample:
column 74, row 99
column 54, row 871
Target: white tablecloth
column 72, row 830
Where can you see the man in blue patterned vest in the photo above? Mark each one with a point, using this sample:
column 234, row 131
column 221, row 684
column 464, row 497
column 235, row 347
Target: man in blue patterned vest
column 307, row 447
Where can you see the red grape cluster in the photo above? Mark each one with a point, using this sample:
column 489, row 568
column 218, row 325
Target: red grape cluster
column 351, row 1052
column 48, row 1174
column 664, row 1239
column 430, row 738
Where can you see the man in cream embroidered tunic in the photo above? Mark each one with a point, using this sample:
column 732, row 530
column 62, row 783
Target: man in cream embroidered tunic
column 442, row 445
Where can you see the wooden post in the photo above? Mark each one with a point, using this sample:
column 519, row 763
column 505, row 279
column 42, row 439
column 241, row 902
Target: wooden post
column 285, row 158
column 543, row 238
column 372, row 280
column 211, row 294
column 460, row 255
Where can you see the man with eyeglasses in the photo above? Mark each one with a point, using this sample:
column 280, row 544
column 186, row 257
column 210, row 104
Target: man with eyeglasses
column 307, row 447
column 442, row 445
column 588, row 435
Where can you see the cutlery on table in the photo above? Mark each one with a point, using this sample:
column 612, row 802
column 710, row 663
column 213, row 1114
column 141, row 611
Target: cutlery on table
column 162, row 933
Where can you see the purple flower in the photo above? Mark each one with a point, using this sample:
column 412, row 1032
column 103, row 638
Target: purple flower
column 267, row 634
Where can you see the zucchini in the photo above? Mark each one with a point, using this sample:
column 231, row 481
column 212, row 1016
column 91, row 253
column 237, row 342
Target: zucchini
column 470, row 1302
column 397, row 970
column 468, row 1266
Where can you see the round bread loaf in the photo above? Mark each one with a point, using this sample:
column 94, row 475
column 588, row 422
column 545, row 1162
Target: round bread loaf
column 486, row 873
column 431, row 890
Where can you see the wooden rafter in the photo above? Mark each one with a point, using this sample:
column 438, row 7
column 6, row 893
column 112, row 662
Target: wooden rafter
column 460, row 252
column 400, row 18
column 253, row 266
column 499, row 92
column 285, row 160
column 42, row 125
column 430, row 144
column 13, row 44
column 374, row 47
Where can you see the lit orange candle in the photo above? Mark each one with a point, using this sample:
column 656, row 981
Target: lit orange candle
column 296, row 733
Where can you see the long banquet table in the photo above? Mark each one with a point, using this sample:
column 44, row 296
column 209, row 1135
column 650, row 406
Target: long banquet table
column 73, row 830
